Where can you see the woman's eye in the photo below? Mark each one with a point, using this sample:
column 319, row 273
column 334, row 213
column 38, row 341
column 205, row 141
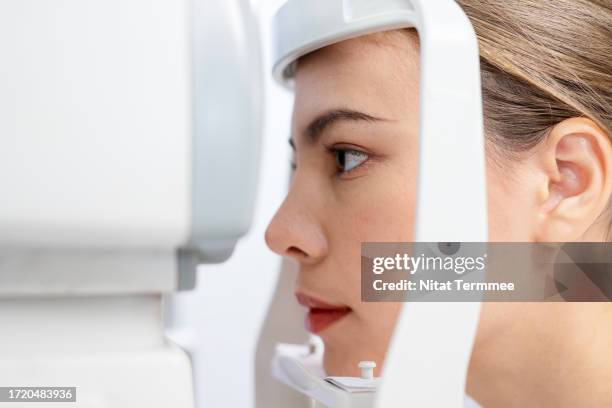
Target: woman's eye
column 348, row 160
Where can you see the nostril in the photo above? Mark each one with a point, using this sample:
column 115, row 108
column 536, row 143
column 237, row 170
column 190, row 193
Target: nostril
column 296, row 252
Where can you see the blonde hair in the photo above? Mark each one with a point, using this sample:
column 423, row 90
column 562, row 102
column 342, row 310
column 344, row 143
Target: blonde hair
column 542, row 61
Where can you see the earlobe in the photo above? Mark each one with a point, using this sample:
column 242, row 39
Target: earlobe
column 577, row 161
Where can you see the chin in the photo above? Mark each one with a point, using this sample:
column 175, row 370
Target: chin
column 343, row 361
column 338, row 363
column 347, row 343
column 354, row 339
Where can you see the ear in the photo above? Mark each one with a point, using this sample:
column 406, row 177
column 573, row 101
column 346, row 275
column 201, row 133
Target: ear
column 576, row 160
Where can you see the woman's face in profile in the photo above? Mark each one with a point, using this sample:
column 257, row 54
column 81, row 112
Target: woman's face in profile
column 355, row 136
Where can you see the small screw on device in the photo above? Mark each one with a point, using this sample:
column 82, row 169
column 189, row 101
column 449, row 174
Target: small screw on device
column 367, row 369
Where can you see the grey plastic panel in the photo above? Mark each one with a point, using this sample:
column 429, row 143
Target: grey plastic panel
column 228, row 111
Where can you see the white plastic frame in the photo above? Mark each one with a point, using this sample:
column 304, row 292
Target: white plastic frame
column 429, row 353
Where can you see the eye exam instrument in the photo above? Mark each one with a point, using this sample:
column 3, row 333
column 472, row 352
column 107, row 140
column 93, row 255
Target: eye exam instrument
column 111, row 130
column 110, row 135
column 447, row 39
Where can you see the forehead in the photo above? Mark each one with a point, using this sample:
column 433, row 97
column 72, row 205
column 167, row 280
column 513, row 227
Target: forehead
column 377, row 74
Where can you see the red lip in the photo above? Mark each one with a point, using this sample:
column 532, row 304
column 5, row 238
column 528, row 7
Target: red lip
column 320, row 314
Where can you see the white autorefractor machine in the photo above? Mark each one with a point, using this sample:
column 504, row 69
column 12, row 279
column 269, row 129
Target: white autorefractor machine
column 429, row 354
column 129, row 140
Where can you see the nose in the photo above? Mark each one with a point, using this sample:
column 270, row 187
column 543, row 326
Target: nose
column 296, row 233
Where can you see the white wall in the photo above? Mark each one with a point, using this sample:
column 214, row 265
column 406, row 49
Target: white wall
column 223, row 315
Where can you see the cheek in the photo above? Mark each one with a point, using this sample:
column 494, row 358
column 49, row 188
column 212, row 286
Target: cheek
column 375, row 209
column 381, row 208
column 387, row 216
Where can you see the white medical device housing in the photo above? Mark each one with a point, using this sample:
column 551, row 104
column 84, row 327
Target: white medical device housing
column 426, row 364
column 129, row 148
column 115, row 128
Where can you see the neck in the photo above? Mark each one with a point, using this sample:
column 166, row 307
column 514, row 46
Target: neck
column 544, row 354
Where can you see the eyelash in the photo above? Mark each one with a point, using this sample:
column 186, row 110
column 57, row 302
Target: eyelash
column 334, row 151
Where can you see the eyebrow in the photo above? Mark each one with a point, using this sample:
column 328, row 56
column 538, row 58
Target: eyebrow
column 323, row 121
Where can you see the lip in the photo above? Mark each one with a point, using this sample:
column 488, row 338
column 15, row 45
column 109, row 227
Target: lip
column 321, row 314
